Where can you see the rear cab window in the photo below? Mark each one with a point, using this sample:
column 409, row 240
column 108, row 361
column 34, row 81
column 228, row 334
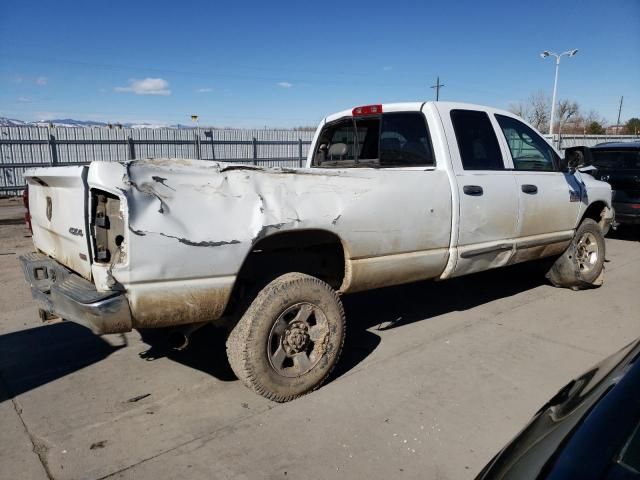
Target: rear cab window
column 394, row 139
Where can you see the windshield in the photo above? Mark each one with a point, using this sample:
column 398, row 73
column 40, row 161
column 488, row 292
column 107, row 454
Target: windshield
column 616, row 159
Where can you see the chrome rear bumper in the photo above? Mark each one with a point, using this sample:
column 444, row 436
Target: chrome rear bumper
column 61, row 292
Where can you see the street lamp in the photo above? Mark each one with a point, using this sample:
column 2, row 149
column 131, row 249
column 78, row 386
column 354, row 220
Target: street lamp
column 545, row 54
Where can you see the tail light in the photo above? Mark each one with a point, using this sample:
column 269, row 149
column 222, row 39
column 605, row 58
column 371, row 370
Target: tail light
column 108, row 227
column 27, row 214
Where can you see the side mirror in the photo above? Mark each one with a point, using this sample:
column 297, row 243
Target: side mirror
column 576, row 157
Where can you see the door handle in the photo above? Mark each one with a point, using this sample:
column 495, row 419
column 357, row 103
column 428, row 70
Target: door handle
column 475, row 190
column 529, row 189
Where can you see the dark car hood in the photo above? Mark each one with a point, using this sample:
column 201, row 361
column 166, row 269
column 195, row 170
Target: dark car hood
column 533, row 451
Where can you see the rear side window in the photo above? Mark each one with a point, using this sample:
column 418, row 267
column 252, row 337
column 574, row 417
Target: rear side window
column 395, row 139
column 477, row 141
column 528, row 150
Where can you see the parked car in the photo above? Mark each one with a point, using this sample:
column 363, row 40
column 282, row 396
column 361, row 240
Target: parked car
column 589, row 430
column 390, row 194
column 619, row 164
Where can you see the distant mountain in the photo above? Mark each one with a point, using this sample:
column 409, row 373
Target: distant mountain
column 11, row 122
column 70, row 122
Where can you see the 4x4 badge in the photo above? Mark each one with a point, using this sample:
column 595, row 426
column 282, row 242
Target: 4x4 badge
column 574, row 196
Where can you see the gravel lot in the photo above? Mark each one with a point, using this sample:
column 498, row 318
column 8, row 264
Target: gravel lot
column 435, row 379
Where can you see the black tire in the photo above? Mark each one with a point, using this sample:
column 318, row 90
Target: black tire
column 581, row 266
column 289, row 339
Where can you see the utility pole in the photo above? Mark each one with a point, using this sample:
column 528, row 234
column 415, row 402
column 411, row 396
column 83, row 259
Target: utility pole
column 437, row 86
column 619, row 112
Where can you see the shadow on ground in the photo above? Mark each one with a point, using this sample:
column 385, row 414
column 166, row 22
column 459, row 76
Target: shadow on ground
column 368, row 313
column 36, row 356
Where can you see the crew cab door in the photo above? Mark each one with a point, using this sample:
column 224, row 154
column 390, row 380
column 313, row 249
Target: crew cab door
column 488, row 199
column 548, row 200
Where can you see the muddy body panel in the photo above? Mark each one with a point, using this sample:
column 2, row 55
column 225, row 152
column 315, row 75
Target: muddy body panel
column 191, row 224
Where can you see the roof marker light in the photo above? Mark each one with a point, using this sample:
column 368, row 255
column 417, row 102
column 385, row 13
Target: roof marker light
column 367, row 110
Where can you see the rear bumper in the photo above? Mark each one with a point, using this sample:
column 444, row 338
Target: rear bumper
column 61, row 292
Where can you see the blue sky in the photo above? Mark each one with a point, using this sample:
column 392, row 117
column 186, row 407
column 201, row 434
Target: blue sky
column 276, row 63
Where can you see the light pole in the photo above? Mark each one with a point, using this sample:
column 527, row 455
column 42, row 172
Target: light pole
column 545, row 54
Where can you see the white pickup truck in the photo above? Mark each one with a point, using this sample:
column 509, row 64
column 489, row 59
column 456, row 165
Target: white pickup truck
column 390, row 194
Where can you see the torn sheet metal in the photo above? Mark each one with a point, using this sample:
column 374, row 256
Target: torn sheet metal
column 193, row 220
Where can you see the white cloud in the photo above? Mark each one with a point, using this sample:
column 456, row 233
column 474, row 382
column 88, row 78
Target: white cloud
column 148, row 86
column 24, row 99
column 204, row 90
column 285, row 84
column 41, row 81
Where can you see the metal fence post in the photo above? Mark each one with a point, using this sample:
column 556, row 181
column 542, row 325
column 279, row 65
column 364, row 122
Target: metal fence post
column 54, row 149
column 213, row 145
column 132, row 148
column 300, row 153
column 254, row 142
column 197, row 142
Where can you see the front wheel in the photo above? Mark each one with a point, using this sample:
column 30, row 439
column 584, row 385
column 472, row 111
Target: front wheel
column 289, row 339
column 582, row 264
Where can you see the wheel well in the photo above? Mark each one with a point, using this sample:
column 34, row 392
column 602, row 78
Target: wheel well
column 315, row 252
column 595, row 211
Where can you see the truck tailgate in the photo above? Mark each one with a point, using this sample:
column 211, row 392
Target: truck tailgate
column 58, row 199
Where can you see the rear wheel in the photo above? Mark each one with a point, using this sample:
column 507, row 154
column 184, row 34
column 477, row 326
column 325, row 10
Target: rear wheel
column 582, row 264
column 289, row 339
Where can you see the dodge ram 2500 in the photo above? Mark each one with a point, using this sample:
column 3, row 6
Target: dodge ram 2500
column 390, row 194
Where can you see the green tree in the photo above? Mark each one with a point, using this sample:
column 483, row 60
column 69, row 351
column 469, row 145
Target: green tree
column 633, row 126
column 595, row 128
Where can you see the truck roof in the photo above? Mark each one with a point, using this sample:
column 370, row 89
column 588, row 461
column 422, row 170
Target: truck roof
column 417, row 106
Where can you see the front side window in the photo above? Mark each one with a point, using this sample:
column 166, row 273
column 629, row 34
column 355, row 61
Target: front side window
column 395, row 139
column 477, row 141
column 528, row 149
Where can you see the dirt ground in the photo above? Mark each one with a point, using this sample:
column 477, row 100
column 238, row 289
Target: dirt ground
column 435, row 379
